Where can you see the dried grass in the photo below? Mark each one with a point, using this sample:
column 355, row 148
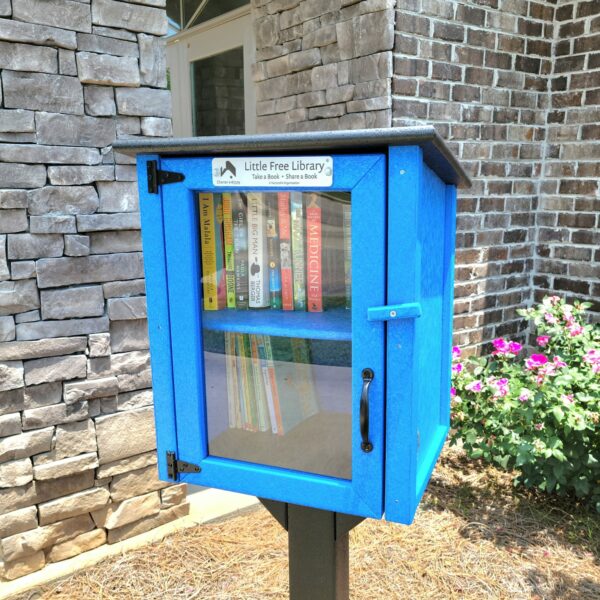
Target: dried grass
column 473, row 538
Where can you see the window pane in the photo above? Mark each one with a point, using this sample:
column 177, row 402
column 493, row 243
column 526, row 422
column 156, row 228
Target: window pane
column 277, row 328
column 218, row 94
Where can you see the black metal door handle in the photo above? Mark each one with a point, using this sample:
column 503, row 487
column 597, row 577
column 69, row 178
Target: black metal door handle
column 367, row 377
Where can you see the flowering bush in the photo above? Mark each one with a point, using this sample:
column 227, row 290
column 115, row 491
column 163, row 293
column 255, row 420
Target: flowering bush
column 538, row 414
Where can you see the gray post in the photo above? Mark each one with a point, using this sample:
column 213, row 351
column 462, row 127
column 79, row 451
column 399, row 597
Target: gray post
column 318, row 550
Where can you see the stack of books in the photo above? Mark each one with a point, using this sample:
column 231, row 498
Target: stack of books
column 269, row 382
column 279, row 250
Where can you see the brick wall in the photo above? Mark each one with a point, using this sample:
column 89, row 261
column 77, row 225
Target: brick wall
column 77, row 459
column 479, row 72
column 569, row 218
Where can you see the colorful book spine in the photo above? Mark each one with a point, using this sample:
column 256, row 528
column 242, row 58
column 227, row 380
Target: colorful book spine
column 347, row 226
column 219, row 242
column 260, row 385
column 273, row 251
column 229, row 250
column 210, row 246
column 242, row 383
column 248, row 399
column 285, row 251
column 314, row 249
column 233, row 401
column 304, row 377
column 276, row 421
column 298, row 262
column 240, row 249
column 258, row 279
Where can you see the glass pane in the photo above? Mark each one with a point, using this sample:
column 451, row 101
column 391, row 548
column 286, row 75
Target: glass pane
column 210, row 10
column 276, row 290
column 218, row 94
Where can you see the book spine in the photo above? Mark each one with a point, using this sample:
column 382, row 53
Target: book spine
column 258, row 280
column 262, row 355
column 229, row 250
column 240, row 250
column 242, row 382
column 306, row 387
column 208, row 251
column 262, row 411
column 273, row 252
column 285, row 251
column 219, row 253
column 276, row 422
column 298, row 262
column 314, row 249
column 232, row 383
column 347, row 225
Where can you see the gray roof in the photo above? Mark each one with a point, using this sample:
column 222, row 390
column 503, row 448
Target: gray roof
column 435, row 151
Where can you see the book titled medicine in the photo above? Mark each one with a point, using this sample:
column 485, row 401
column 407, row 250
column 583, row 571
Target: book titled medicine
column 298, row 262
column 285, row 250
column 212, row 251
column 314, row 279
column 258, row 265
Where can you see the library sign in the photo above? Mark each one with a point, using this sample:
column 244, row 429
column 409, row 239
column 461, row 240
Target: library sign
column 273, row 171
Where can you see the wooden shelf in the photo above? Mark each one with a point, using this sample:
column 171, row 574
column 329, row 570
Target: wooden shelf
column 334, row 324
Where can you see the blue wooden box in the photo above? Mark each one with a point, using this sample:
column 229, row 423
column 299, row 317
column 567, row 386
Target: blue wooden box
column 402, row 184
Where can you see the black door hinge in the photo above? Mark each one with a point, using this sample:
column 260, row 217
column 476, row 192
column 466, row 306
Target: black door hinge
column 157, row 177
column 174, row 466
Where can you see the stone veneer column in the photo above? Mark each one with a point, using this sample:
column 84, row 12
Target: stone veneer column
column 77, row 458
column 323, row 64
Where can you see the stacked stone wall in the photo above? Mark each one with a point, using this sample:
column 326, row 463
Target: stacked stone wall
column 77, row 449
column 568, row 248
column 323, row 64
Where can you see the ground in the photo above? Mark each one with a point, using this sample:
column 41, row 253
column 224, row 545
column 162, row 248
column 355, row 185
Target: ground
column 474, row 537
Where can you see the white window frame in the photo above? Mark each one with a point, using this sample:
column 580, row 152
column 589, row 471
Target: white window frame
column 225, row 32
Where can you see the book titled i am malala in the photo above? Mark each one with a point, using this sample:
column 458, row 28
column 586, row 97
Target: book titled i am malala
column 211, row 243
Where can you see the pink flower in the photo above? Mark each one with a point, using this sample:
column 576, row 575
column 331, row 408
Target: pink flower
column 550, row 318
column 567, row 398
column 457, row 368
column 453, row 391
column 501, row 388
column 554, row 300
column 535, row 361
column 525, row 395
column 558, row 362
column 539, row 426
column 575, row 329
column 505, row 348
column 542, row 340
column 456, row 352
column 514, row 347
column 474, row 386
column 592, row 358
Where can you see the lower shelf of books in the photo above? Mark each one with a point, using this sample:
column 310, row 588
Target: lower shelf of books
column 331, row 324
column 321, row 444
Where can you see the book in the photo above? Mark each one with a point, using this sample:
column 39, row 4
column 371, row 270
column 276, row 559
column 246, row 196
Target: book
column 258, row 278
column 260, row 398
column 262, row 355
column 347, row 224
column 211, row 246
column 228, row 250
column 314, row 279
column 273, row 251
column 285, row 251
column 298, row 262
column 240, row 248
column 305, row 383
column 273, row 394
column 247, row 399
column 233, row 401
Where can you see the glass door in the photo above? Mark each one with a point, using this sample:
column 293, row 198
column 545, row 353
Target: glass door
column 276, row 366
column 210, row 76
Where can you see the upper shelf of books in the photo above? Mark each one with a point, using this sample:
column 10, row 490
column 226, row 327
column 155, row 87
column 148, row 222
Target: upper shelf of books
column 332, row 324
